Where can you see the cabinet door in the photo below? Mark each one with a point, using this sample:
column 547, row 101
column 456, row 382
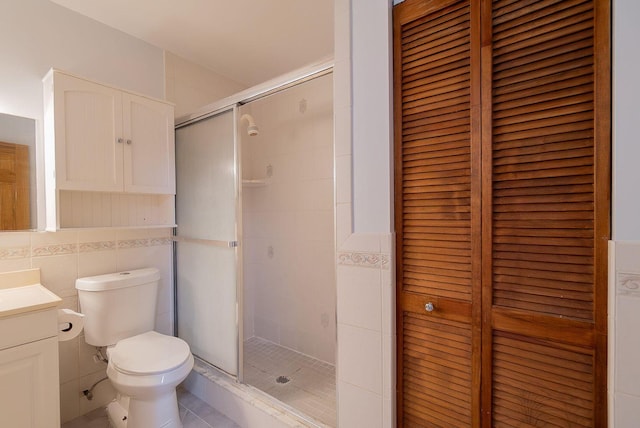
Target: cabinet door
column 88, row 124
column 149, row 154
column 29, row 387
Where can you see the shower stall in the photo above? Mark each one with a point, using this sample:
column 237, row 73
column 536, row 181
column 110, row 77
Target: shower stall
column 255, row 250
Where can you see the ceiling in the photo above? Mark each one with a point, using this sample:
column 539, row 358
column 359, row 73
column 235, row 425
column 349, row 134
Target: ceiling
column 249, row 41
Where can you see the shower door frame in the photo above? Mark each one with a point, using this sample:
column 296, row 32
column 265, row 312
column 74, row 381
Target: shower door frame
column 234, row 245
column 234, row 103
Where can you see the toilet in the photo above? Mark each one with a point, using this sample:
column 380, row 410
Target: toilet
column 144, row 366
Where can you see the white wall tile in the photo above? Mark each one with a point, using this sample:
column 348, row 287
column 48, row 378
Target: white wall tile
column 342, row 132
column 627, row 358
column 360, row 357
column 343, row 179
column 58, row 273
column 103, row 392
column 97, row 263
column 69, row 401
column 14, row 240
column 358, row 407
column 68, row 358
column 388, row 365
column 86, row 363
column 362, row 242
column 360, row 297
column 388, row 302
column 389, row 412
column 15, row 264
column 344, row 224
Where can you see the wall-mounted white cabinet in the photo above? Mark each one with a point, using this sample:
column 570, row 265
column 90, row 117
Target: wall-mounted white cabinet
column 103, row 139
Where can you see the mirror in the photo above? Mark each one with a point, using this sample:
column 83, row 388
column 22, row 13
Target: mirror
column 17, row 173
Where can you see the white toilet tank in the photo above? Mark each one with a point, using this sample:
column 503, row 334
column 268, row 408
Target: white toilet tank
column 118, row 305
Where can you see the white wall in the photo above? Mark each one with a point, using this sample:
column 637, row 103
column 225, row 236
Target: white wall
column 626, row 116
column 372, row 131
column 190, row 86
column 36, row 35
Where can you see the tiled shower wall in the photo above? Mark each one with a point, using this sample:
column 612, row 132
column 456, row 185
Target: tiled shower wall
column 64, row 256
column 289, row 246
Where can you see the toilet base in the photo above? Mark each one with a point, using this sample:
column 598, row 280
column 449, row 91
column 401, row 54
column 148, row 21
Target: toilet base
column 159, row 413
column 117, row 414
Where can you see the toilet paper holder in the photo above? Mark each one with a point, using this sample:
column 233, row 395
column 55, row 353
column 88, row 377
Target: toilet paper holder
column 70, row 324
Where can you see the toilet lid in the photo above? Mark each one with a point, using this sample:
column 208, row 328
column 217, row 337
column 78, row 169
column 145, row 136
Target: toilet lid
column 149, row 353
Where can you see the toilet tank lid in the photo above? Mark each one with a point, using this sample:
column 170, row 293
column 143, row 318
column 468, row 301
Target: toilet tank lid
column 116, row 280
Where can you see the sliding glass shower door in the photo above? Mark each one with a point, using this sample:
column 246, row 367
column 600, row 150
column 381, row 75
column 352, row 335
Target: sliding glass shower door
column 207, row 239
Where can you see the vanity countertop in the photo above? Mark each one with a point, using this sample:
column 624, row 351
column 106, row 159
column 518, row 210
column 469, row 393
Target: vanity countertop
column 25, row 295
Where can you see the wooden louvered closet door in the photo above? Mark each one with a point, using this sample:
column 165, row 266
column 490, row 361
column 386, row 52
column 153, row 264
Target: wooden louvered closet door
column 502, row 173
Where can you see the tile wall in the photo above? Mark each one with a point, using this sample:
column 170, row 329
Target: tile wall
column 288, row 223
column 64, row 256
column 624, row 341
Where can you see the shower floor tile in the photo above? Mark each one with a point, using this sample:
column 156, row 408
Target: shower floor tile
column 302, row 382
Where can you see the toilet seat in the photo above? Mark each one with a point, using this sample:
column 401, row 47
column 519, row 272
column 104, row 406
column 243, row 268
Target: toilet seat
column 148, row 353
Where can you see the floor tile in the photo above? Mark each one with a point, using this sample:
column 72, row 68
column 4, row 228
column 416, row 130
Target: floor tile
column 194, row 413
column 302, row 382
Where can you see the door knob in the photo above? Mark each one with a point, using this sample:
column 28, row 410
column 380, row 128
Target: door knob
column 429, row 307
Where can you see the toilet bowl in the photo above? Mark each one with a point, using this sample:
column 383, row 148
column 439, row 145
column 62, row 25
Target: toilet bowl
column 145, row 370
column 144, row 366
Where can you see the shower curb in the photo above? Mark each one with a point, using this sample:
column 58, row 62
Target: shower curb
column 244, row 404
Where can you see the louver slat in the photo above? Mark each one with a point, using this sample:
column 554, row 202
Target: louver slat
column 436, row 372
column 535, row 187
column 436, row 151
column 541, row 383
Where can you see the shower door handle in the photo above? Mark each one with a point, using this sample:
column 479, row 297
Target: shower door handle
column 210, row 242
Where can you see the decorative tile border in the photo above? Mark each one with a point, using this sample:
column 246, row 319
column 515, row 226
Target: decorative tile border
column 11, row 253
column 628, row 283
column 54, row 250
column 14, row 253
column 361, row 259
column 89, row 247
column 154, row 242
column 133, row 243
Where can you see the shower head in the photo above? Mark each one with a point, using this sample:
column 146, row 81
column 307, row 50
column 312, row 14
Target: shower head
column 252, row 129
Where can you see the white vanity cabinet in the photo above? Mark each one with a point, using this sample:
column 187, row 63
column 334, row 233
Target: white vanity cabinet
column 29, row 387
column 29, row 379
column 103, row 139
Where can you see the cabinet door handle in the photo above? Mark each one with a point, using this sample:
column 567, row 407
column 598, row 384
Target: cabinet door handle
column 120, row 140
column 129, row 142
